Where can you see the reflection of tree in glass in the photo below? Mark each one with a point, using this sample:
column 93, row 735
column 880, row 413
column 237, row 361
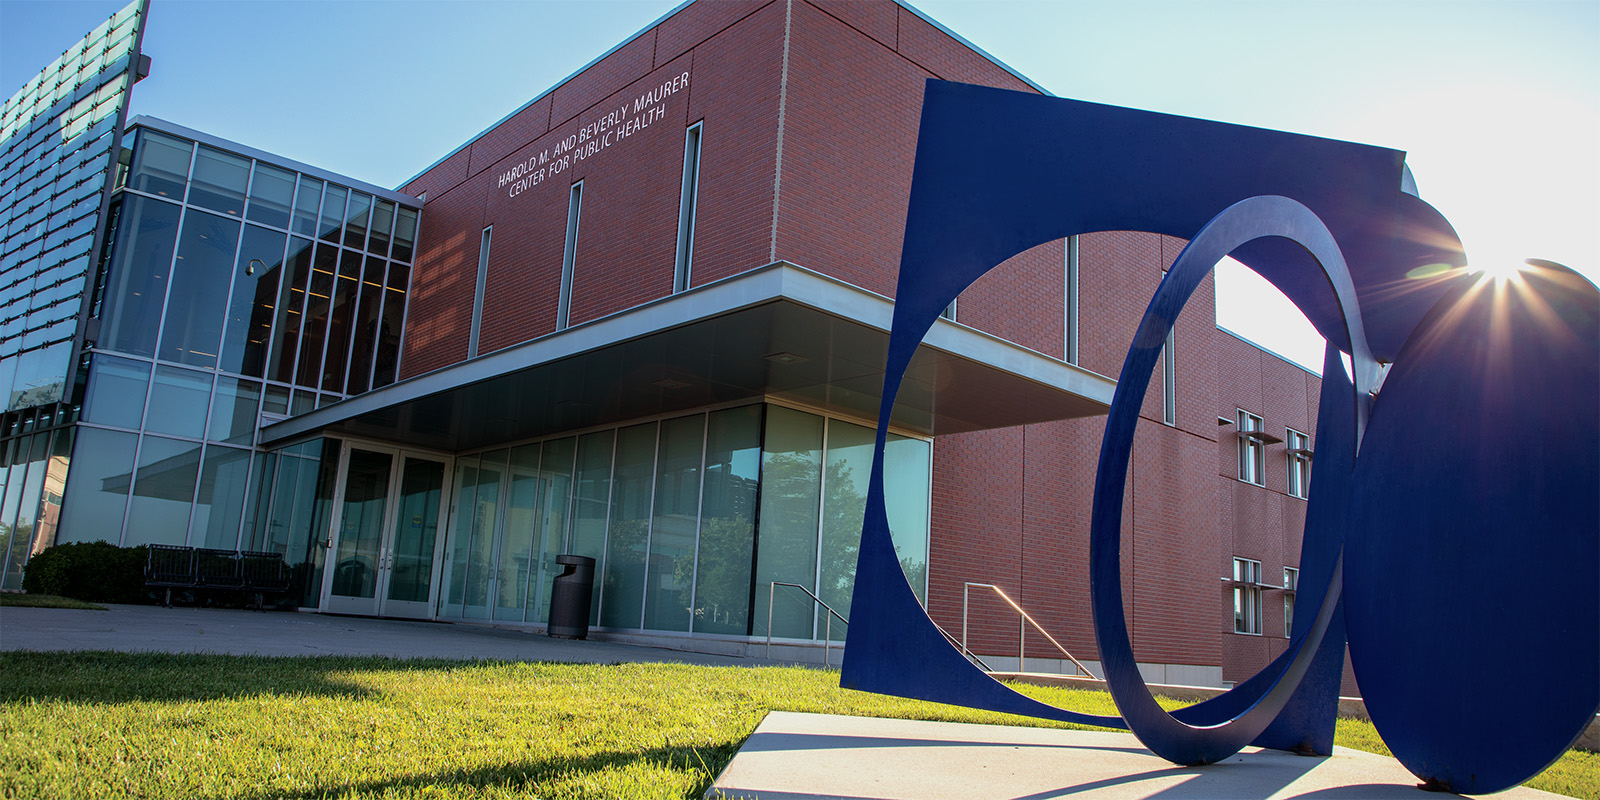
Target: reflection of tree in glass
column 788, row 541
column 723, row 605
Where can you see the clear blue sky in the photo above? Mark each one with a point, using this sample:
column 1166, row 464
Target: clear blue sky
column 1497, row 103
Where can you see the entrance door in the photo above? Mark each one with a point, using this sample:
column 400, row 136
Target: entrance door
column 385, row 540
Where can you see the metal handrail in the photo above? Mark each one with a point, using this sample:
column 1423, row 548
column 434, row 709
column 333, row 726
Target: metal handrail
column 1022, row 630
column 827, row 641
column 970, row 656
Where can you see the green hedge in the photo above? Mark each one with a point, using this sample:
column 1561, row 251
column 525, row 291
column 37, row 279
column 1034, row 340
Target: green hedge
column 97, row 572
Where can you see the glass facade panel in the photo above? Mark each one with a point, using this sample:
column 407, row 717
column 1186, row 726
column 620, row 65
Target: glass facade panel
column 219, row 181
column 247, row 329
column 19, row 529
column 387, row 360
column 160, row 165
column 314, row 331
column 405, row 235
column 628, row 534
column 458, row 545
column 516, row 549
column 178, row 402
column 791, row 496
column 290, row 307
column 382, row 228
column 485, row 519
column 116, row 391
column 97, row 488
column 332, row 220
column 416, row 530
column 669, row 574
column 55, row 480
column 355, row 220
column 907, row 491
column 844, row 504
column 307, row 199
column 366, row 496
column 192, row 327
column 550, row 524
column 271, row 194
column 162, row 493
column 341, row 318
column 727, row 521
column 147, row 237
column 234, row 411
column 591, row 505
column 365, row 333
column 293, row 516
column 219, row 505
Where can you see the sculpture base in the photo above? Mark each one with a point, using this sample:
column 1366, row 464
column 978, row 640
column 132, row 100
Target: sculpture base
column 814, row 756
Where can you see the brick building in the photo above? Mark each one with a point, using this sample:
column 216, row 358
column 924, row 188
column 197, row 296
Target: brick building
column 643, row 321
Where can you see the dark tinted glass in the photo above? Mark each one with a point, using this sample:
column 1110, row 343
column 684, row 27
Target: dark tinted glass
column 313, row 334
column 332, row 213
column 256, row 273
column 291, row 306
column 271, row 193
column 382, row 228
column 136, row 284
column 341, row 316
column 405, row 235
column 160, row 165
column 192, row 327
column 387, row 360
column 355, row 220
column 219, row 181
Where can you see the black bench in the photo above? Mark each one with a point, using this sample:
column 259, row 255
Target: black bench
column 256, row 573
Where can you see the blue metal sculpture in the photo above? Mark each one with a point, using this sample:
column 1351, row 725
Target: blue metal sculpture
column 1438, row 533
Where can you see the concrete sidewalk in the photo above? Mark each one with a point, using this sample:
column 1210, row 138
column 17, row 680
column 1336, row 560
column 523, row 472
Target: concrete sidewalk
column 224, row 631
column 820, row 756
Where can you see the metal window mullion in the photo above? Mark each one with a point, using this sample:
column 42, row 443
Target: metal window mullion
column 172, row 265
column 311, row 275
column 699, row 518
column 411, row 275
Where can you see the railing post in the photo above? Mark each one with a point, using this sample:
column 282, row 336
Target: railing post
column 1022, row 640
column 772, row 589
column 827, row 641
column 966, row 592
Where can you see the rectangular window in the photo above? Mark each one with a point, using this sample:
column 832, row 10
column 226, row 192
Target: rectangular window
column 1169, row 383
column 569, row 256
column 1291, row 583
column 1246, row 596
column 1070, row 303
column 477, row 297
column 1299, row 453
column 1252, row 449
column 686, row 207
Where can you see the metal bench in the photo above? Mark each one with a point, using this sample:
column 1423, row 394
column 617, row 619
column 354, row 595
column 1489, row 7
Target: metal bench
column 176, row 566
column 168, row 566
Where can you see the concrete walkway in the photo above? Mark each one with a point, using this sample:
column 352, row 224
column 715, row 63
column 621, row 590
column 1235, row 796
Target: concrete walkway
column 820, row 756
column 210, row 630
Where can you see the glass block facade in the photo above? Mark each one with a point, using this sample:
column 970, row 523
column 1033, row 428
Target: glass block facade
column 234, row 289
column 58, row 137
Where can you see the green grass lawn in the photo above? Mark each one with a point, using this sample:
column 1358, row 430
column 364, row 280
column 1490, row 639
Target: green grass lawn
column 45, row 601
column 100, row 725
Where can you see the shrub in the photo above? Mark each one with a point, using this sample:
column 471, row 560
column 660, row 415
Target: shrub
column 98, row 572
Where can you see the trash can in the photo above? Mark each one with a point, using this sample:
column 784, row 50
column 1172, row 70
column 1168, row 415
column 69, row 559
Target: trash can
column 570, row 596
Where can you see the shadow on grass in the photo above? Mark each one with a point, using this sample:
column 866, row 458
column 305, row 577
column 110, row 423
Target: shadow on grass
column 107, row 678
column 531, row 777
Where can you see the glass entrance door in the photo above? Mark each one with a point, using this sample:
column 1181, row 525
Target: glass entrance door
column 384, row 537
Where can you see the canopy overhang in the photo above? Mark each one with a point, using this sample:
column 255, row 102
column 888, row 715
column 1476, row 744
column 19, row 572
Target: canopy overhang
column 779, row 332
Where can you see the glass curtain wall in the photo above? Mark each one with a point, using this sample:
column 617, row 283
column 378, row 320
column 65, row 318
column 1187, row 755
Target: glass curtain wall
column 294, row 508
column 688, row 519
column 200, row 323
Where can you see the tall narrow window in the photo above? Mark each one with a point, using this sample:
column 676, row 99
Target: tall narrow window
column 1299, row 452
column 686, row 207
column 1069, row 351
column 1252, row 449
column 570, row 256
column 949, row 311
column 477, row 297
column 1169, row 383
column 1291, row 583
column 1246, row 596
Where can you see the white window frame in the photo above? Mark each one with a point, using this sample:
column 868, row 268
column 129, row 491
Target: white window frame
column 1246, row 596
